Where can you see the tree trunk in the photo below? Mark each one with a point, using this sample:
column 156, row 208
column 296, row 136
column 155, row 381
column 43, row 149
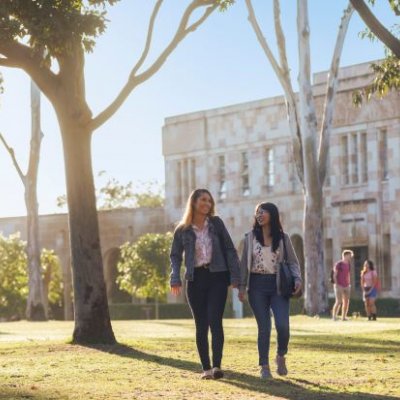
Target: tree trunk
column 157, row 304
column 67, row 295
column 315, row 291
column 92, row 319
column 315, row 294
column 35, row 310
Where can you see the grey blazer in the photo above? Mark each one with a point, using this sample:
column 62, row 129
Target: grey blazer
column 247, row 260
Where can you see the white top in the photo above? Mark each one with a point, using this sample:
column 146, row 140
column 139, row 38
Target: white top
column 264, row 260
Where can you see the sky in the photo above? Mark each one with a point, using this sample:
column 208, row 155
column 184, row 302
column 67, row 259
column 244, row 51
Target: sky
column 219, row 64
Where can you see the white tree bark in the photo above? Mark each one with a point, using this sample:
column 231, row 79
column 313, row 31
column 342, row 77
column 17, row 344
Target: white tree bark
column 36, row 309
column 36, row 306
column 310, row 146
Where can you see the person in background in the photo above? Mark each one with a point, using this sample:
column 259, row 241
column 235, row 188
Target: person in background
column 369, row 284
column 212, row 264
column 341, row 285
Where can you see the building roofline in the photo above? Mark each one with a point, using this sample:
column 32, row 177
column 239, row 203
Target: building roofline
column 64, row 214
column 319, row 78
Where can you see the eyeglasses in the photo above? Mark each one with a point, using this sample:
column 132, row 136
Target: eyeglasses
column 261, row 212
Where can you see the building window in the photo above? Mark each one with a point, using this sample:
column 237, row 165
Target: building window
column 222, row 178
column 386, row 268
column 192, row 174
column 178, row 185
column 245, row 175
column 354, row 158
column 364, row 158
column 345, row 161
column 269, row 169
column 327, row 182
column 383, row 154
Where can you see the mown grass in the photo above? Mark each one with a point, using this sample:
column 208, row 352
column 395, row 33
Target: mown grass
column 158, row 359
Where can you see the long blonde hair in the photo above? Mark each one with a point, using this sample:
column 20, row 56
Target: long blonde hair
column 187, row 217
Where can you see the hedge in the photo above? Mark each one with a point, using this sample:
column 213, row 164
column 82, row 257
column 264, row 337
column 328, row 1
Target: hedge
column 127, row 311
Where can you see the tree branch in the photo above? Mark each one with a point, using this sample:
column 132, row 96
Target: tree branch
column 5, row 62
column 135, row 80
column 331, row 89
column 307, row 114
column 283, row 75
column 148, row 39
column 291, row 104
column 21, row 56
column 11, row 152
column 376, row 27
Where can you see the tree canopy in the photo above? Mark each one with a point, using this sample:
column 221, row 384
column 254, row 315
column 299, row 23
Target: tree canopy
column 144, row 264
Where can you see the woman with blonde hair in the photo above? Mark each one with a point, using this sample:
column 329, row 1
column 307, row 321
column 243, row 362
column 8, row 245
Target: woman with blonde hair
column 212, row 264
column 369, row 284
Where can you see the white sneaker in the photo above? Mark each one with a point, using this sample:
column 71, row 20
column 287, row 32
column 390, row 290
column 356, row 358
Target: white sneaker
column 207, row 374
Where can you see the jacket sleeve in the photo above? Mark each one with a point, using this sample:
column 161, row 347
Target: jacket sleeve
column 231, row 255
column 244, row 269
column 293, row 260
column 176, row 259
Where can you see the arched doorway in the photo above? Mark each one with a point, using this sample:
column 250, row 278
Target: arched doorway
column 114, row 294
column 298, row 246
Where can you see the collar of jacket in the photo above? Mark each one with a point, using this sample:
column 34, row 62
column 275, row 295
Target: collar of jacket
column 211, row 226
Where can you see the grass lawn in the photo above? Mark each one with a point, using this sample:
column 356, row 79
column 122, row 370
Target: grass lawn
column 158, row 360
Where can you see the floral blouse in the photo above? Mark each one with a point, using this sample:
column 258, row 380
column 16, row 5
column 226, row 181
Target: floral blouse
column 203, row 245
column 264, row 259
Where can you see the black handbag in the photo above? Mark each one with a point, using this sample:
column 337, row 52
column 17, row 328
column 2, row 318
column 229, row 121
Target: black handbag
column 286, row 279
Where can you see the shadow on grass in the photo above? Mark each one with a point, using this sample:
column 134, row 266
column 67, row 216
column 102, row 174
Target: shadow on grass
column 9, row 394
column 289, row 389
column 346, row 343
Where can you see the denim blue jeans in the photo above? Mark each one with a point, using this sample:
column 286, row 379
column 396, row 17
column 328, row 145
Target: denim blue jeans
column 263, row 298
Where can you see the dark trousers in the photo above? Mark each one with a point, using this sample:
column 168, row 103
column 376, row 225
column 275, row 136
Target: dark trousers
column 263, row 297
column 206, row 295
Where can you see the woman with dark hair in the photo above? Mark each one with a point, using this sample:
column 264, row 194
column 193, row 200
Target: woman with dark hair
column 369, row 284
column 212, row 264
column 264, row 249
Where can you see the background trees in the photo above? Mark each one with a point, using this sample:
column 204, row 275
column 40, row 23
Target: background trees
column 65, row 31
column 144, row 267
column 14, row 278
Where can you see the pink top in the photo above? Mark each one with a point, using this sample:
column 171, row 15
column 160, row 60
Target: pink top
column 343, row 273
column 203, row 245
column 369, row 278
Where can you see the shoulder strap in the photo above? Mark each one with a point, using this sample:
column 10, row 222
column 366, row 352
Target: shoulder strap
column 284, row 247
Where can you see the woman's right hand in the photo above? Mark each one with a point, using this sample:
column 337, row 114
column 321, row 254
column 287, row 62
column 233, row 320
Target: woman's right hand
column 242, row 296
column 176, row 290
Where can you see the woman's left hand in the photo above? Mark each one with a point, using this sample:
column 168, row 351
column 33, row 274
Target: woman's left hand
column 297, row 288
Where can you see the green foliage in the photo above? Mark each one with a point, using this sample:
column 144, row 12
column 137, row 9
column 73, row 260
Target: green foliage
column 387, row 72
column 144, row 264
column 114, row 194
column 150, row 194
column 224, row 4
column 52, row 279
column 387, row 77
column 13, row 277
column 53, row 25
